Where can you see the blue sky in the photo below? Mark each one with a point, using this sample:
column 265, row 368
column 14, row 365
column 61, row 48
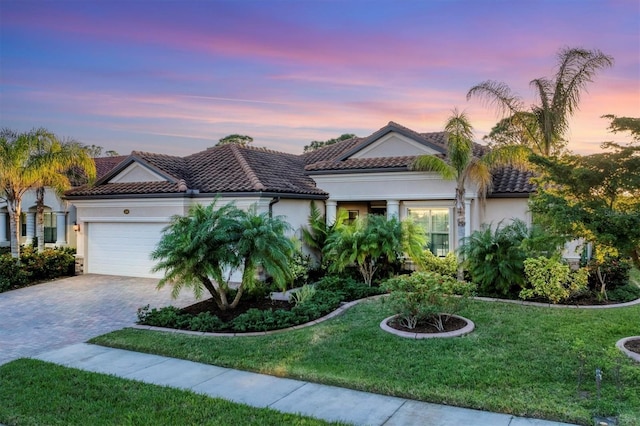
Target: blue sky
column 175, row 76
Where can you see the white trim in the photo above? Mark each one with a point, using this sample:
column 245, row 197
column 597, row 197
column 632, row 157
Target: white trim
column 121, row 177
column 376, row 177
column 376, row 144
column 133, row 202
column 133, row 219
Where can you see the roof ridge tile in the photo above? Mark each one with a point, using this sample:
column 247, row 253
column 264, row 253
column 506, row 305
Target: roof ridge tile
column 246, row 168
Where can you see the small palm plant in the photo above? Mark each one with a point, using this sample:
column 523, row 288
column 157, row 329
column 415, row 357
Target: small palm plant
column 204, row 248
column 371, row 240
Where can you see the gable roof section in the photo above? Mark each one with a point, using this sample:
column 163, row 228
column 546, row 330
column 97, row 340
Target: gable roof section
column 223, row 169
column 396, row 128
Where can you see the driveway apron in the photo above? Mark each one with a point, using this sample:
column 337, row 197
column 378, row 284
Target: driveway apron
column 72, row 310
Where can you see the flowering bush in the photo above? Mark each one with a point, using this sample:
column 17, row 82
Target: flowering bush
column 427, row 298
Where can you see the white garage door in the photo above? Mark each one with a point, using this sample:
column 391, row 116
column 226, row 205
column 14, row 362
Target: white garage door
column 122, row 248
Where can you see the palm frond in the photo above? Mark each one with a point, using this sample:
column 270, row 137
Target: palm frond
column 430, row 163
column 497, row 95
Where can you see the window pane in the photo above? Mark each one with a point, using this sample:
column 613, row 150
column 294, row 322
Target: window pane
column 50, row 234
column 436, row 224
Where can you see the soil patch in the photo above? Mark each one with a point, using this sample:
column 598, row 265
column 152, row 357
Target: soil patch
column 633, row 345
column 262, row 304
column 452, row 324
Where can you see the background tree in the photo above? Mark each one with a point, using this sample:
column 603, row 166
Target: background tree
column 558, row 99
column 60, row 158
column 242, row 140
column 204, row 248
column 319, row 144
column 465, row 168
column 29, row 161
column 596, row 197
column 96, row 151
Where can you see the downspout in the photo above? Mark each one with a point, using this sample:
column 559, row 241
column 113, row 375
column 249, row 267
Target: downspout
column 273, row 201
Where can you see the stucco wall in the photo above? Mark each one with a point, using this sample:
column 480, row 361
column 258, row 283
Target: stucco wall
column 505, row 209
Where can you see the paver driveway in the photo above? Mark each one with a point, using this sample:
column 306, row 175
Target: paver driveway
column 72, row 310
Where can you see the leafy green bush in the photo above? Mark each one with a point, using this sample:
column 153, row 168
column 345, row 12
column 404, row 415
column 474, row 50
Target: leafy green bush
column 625, row 293
column 447, row 265
column 206, row 321
column 34, row 266
column 348, row 288
column 614, row 270
column 11, row 275
column 552, row 279
column 314, row 307
column 427, row 297
column 495, row 260
column 303, row 294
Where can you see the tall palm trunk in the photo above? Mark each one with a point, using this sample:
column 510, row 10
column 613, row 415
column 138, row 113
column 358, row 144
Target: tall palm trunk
column 40, row 218
column 14, row 226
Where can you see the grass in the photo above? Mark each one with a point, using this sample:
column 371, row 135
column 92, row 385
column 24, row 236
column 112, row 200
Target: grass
column 520, row 360
column 35, row 393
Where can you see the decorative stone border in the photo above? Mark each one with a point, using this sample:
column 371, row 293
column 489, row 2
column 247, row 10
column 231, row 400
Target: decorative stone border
column 343, row 307
column 461, row 332
column 551, row 305
column 348, row 305
column 620, row 345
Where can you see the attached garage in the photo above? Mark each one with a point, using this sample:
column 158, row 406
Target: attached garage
column 122, row 248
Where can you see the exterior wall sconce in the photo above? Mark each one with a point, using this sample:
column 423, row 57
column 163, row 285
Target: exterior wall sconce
column 76, row 227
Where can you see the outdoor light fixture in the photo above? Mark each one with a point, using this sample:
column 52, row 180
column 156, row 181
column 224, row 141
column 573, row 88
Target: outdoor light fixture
column 76, row 227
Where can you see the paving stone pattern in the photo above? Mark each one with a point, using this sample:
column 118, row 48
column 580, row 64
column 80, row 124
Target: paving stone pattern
column 72, row 310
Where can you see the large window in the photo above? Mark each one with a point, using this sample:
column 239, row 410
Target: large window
column 436, row 224
column 50, row 231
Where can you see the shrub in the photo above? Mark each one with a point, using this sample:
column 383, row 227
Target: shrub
column 303, row 294
column 11, row 275
column 169, row 316
column 427, row 297
column 552, row 279
column 206, row 321
column 447, row 265
column 614, row 270
column 495, row 260
column 625, row 293
column 348, row 288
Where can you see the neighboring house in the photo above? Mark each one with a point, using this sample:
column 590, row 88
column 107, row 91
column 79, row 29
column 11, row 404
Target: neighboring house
column 59, row 215
column 122, row 215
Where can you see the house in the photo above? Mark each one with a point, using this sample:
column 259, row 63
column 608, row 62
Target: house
column 121, row 217
column 59, row 214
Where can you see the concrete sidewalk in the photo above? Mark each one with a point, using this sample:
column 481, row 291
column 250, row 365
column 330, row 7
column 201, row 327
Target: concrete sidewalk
column 290, row 396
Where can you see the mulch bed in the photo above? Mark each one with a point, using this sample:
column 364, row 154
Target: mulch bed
column 633, row 345
column 210, row 306
column 451, row 325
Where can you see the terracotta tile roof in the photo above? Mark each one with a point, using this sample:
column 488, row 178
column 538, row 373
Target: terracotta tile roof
column 232, row 168
column 125, row 188
column 174, row 167
column 363, row 163
column 227, row 168
column 509, row 180
column 331, row 152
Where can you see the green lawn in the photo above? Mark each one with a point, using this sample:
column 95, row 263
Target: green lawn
column 38, row 393
column 521, row 360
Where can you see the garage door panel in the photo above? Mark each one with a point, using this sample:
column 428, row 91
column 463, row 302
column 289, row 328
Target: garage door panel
column 122, row 248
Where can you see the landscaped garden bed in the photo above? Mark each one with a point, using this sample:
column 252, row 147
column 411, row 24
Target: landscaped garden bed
column 525, row 360
column 35, row 267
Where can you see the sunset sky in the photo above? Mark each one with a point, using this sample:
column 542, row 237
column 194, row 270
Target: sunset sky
column 173, row 77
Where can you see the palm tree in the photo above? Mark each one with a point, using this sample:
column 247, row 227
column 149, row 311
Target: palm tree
column 60, row 157
column 20, row 171
column 465, row 168
column 558, row 98
column 262, row 244
column 203, row 249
